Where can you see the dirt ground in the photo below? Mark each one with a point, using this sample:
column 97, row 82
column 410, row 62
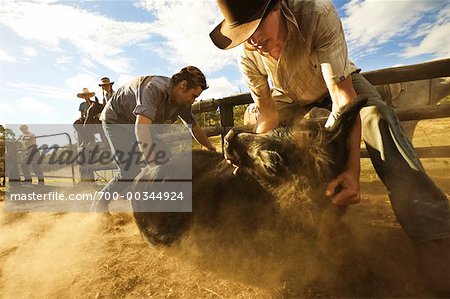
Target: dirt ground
column 81, row 255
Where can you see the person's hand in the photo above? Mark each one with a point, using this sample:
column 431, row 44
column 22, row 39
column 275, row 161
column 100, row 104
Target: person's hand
column 344, row 189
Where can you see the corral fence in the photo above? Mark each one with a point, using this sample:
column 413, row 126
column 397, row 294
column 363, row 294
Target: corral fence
column 428, row 70
column 12, row 154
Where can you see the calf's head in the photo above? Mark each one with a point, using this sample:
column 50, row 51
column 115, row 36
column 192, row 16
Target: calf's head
column 306, row 150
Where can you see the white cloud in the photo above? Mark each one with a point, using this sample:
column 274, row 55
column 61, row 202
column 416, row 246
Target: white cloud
column 43, row 1
column 78, row 82
column 6, row 57
column 371, row 23
column 32, row 110
column 436, row 42
column 7, row 108
column 29, row 51
column 185, row 26
column 122, row 80
column 218, row 88
column 44, row 91
column 99, row 38
column 32, row 105
column 436, row 38
column 64, row 60
column 5, row 112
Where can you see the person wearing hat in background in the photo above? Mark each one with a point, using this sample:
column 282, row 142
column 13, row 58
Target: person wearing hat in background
column 107, row 89
column 300, row 46
column 144, row 101
column 85, row 136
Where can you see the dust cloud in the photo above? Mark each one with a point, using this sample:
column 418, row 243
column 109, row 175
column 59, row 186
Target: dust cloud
column 345, row 256
column 44, row 252
column 81, row 255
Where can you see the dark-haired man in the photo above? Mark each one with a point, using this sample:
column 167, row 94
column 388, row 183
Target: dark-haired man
column 144, row 101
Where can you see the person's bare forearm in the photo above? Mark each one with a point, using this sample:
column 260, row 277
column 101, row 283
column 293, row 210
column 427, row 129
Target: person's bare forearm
column 268, row 115
column 343, row 94
column 266, row 125
column 144, row 136
column 354, row 149
column 199, row 134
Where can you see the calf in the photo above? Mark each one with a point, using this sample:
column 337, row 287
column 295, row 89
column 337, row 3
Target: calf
column 287, row 168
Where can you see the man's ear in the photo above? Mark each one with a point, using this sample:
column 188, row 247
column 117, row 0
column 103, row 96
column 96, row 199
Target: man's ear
column 183, row 85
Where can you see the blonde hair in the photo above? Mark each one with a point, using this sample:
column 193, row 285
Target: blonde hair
column 193, row 76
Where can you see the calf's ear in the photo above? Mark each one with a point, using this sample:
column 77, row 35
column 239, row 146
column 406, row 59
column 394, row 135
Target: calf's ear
column 272, row 162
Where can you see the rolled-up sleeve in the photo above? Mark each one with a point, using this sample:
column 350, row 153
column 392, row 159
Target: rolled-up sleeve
column 254, row 76
column 331, row 48
column 147, row 98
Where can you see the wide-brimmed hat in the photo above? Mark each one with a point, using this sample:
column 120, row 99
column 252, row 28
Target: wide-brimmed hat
column 85, row 93
column 104, row 81
column 242, row 18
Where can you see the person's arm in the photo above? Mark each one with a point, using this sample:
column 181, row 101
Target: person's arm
column 199, row 134
column 344, row 94
column 81, row 108
column 147, row 98
column 268, row 115
column 331, row 49
column 255, row 76
column 144, row 136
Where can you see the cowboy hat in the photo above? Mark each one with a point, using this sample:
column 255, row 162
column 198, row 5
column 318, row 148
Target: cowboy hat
column 104, row 81
column 242, row 18
column 85, row 93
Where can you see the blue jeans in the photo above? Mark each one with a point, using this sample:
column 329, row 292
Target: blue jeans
column 421, row 208
column 121, row 138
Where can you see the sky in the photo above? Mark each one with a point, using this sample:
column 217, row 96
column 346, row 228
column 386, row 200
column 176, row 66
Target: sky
column 50, row 50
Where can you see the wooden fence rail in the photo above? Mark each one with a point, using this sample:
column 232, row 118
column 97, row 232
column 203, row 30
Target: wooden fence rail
column 427, row 70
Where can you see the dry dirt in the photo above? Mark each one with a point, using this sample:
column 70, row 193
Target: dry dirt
column 54, row 255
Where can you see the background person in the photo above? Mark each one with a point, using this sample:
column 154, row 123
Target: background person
column 88, row 115
column 107, row 89
column 28, row 140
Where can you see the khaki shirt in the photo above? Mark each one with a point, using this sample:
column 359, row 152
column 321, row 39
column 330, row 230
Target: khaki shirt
column 314, row 55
